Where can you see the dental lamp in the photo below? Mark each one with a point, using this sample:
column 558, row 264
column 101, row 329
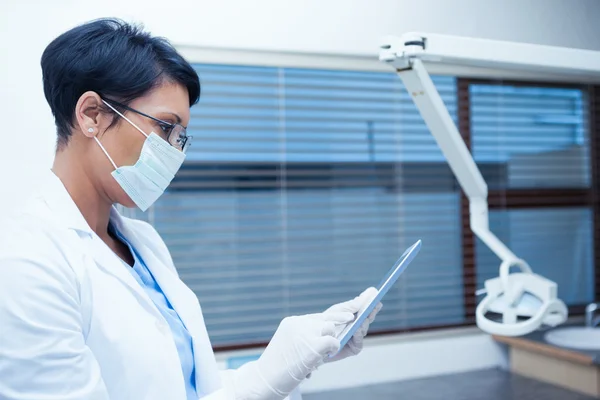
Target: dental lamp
column 412, row 55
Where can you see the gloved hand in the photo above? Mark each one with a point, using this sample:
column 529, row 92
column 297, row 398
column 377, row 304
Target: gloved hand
column 299, row 346
column 355, row 344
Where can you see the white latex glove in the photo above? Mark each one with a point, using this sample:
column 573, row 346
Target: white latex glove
column 298, row 347
column 355, row 344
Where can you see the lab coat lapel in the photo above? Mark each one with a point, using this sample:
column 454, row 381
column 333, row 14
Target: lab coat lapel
column 170, row 284
column 185, row 303
column 64, row 210
column 60, row 203
column 106, row 259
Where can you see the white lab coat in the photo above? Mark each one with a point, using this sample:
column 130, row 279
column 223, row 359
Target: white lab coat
column 75, row 324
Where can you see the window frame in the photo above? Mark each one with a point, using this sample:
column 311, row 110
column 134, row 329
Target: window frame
column 522, row 198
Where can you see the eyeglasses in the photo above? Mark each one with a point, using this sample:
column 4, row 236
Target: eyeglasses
column 176, row 134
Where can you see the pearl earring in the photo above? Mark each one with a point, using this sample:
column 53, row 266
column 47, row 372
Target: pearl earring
column 90, row 130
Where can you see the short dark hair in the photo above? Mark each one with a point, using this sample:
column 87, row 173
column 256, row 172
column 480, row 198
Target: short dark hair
column 113, row 58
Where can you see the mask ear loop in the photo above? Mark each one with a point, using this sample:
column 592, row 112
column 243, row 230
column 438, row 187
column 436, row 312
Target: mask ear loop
column 105, row 152
column 125, row 118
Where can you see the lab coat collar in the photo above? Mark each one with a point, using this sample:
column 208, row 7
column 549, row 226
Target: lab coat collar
column 58, row 199
column 64, row 209
column 183, row 301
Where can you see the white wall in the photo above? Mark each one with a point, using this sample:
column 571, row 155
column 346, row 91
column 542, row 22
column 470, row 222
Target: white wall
column 314, row 26
column 400, row 357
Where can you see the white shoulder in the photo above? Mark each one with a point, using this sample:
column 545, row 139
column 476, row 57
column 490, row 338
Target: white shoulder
column 29, row 236
column 31, row 245
column 40, row 306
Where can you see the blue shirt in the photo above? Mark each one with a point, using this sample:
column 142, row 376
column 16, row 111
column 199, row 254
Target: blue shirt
column 182, row 338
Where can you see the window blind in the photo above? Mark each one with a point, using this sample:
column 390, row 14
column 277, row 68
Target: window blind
column 526, row 139
column 556, row 242
column 533, row 137
column 301, row 188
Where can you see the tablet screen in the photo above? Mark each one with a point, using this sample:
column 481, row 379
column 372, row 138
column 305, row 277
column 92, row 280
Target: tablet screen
column 386, row 283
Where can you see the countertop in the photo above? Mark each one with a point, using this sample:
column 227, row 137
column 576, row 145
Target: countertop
column 535, row 342
column 489, row 384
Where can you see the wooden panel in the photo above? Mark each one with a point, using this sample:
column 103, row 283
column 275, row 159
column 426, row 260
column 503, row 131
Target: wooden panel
column 594, row 126
column 557, row 371
column 538, row 198
column 551, row 351
column 468, row 238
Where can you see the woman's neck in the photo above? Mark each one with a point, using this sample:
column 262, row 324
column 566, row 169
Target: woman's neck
column 91, row 202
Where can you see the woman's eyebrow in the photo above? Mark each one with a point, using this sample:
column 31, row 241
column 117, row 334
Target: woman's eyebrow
column 177, row 117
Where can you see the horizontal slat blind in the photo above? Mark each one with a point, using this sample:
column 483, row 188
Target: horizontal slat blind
column 301, row 188
column 528, row 138
column 557, row 243
column 269, row 114
column 535, row 136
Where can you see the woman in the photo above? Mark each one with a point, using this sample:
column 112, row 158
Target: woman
column 91, row 306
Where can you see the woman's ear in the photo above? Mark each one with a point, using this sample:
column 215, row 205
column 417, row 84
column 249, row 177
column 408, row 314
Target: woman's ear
column 89, row 114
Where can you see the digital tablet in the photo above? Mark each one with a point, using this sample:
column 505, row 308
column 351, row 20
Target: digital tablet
column 385, row 285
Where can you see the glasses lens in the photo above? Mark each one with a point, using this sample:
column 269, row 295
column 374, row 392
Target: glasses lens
column 178, row 137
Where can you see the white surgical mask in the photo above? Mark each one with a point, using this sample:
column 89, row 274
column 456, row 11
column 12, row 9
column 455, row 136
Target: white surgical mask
column 146, row 180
